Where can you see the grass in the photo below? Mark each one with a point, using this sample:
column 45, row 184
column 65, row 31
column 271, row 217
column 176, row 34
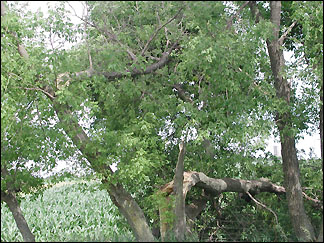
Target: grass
column 74, row 210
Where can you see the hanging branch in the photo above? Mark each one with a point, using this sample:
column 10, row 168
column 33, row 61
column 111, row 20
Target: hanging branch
column 42, row 90
column 269, row 209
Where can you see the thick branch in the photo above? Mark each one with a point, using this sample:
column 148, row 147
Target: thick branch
column 135, row 72
column 10, row 199
column 14, row 207
column 132, row 212
column 182, row 94
column 3, row 8
column 213, row 187
column 217, row 186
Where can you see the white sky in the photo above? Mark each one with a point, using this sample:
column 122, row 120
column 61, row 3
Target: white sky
column 308, row 143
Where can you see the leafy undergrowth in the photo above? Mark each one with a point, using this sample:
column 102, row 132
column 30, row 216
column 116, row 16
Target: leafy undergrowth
column 73, row 210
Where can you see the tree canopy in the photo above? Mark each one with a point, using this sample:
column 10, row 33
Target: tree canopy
column 144, row 77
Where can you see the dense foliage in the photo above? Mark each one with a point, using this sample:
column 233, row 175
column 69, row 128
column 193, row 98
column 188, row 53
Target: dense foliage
column 139, row 78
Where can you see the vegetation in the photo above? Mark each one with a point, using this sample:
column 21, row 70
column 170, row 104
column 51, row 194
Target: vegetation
column 70, row 210
column 181, row 96
column 78, row 209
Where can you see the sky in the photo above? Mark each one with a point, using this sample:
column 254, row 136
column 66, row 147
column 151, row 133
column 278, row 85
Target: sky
column 308, row 144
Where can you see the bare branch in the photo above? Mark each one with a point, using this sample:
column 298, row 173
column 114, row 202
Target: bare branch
column 262, row 205
column 269, row 209
column 158, row 29
column 315, row 201
column 158, row 18
column 3, row 8
column 87, row 36
column 22, row 51
column 39, row 89
column 106, row 33
column 180, row 224
column 284, row 35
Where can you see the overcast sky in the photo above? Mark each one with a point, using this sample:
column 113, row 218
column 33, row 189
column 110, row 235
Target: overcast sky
column 308, row 143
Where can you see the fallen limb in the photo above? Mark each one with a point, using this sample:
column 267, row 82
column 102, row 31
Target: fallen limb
column 215, row 187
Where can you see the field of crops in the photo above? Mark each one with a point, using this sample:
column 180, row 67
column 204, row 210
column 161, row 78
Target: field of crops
column 73, row 210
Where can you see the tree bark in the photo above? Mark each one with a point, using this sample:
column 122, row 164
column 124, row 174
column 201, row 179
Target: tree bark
column 320, row 236
column 132, row 212
column 14, row 207
column 300, row 221
column 321, row 122
column 212, row 187
column 217, row 186
column 180, row 221
column 119, row 196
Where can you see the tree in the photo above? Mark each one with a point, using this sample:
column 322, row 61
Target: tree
column 198, row 72
column 27, row 134
column 302, row 225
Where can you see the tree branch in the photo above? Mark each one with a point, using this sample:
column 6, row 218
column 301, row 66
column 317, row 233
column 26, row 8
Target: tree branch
column 3, row 8
column 269, row 209
column 182, row 94
column 135, row 72
column 255, row 11
column 180, row 224
column 107, row 34
column 158, row 29
column 284, row 35
column 230, row 21
column 39, row 89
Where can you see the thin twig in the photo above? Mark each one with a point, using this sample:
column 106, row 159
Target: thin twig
column 157, row 30
column 316, row 201
column 108, row 34
column 269, row 209
column 264, row 206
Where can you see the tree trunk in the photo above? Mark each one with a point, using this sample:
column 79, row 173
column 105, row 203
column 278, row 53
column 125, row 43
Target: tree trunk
column 321, row 122
column 300, row 221
column 14, row 207
column 180, row 221
column 132, row 212
column 119, row 196
column 320, row 236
